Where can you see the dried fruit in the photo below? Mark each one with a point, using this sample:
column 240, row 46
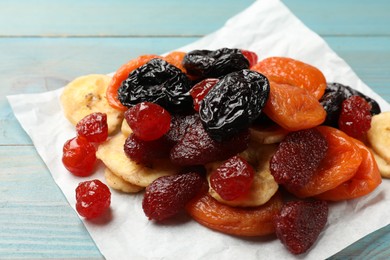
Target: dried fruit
column 233, row 178
column 197, row 147
column 79, row 156
column 179, row 125
column 234, row 103
column 176, row 59
column 203, row 64
column 355, row 117
column 167, row 195
column 298, row 157
column 255, row 221
column 250, row 56
column 93, row 127
column 158, row 82
column 299, row 224
column 148, row 121
column 93, row 198
column 200, row 90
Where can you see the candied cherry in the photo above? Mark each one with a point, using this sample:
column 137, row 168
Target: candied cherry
column 148, row 121
column 79, row 156
column 250, row 56
column 233, row 178
column 93, row 198
column 93, row 127
column 355, row 116
column 200, row 90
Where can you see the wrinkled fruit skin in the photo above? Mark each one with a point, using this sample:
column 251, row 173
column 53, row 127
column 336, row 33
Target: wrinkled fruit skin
column 93, row 198
column 203, row 64
column 198, row 148
column 167, row 195
column 234, row 103
column 179, row 125
column 200, row 90
column 158, row 82
column 93, row 127
column 299, row 224
column 298, row 157
column 233, row 178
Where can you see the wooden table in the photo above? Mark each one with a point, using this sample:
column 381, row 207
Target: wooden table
column 44, row 44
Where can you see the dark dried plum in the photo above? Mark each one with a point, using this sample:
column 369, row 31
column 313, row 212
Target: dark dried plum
column 158, row 82
column 234, row 103
column 202, row 64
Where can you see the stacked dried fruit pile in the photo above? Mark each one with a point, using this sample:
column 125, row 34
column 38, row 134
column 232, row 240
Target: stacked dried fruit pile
column 246, row 148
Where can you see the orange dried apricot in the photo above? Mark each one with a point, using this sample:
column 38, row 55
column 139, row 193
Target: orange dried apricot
column 293, row 108
column 256, row 221
column 341, row 162
column 365, row 180
column 293, row 72
column 175, row 58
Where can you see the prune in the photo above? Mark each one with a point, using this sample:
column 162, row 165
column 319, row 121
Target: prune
column 200, row 90
column 335, row 94
column 233, row 178
column 203, row 64
column 355, row 116
column 234, row 103
column 93, row 127
column 197, row 148
column 158, row 82
column 297, row 158
column 299, row 224
column 167, row 195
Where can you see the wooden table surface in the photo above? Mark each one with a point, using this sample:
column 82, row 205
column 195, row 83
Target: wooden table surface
column 45, row 44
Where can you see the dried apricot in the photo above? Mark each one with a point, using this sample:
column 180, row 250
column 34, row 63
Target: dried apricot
column 175, row 58
column 365, row 180
column 293, row 72
column 256, row 221
column 341, row 161
column 293, row 108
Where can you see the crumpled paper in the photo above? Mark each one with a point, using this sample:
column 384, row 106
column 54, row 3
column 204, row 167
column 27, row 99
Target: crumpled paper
column 270, row 29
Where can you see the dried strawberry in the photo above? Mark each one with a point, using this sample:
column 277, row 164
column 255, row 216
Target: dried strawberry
column 167, row 195
column 93, row 127
column 179, row 125
column 299, row 224
column 233, row 178
column 197, row 147
column 250, row 56
column 297, row 158
column 200, row 90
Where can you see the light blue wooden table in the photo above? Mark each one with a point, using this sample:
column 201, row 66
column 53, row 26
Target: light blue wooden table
column 44, row 44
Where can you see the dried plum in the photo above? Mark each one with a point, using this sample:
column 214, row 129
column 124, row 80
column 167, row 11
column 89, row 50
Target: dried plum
column 158, row 82
column 202, row 64
column 234, row 103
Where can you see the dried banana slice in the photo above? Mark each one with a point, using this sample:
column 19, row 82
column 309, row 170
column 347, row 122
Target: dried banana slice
column 125, row 128
column 87, row 94
column 117, row 183
column 384, row 166
column 268, row 135
column 379, row 135
column 263, row 187
column 112, row 154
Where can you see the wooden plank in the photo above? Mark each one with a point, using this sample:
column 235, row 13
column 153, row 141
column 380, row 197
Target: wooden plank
column 115, row 18
column 35, row 218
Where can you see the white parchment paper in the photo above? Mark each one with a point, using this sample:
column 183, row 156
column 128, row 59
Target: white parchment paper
column 270, row 29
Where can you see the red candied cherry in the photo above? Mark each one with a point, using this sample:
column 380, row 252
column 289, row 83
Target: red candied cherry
column 93, row 198
column 233, row 178
column 355, row 116
column 148, row 121
column 200, row 90
column 93, row 127
column 250, row 56
column 79, row 156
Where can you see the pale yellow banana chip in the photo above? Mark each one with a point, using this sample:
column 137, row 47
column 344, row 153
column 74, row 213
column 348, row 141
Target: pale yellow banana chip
column 113, row 156
column 267, row 135
column 383, row 165
column 125, row 128
column 379, row 135
column 117, row 183
column 263, row 187
column 87, row 94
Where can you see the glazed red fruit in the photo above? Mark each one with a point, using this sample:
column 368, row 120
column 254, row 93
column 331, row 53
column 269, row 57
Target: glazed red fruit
column 299, row 223
column 233, row 178
column 167, row 195
column 179, row 125
column 93, row 127
column 145, row 152
column 198, row 148
column 79, row 156
column 93, row 198
column 200, row 90
column 355, row 116
column 148, row 121
column 250, row 56
column 297, row 158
